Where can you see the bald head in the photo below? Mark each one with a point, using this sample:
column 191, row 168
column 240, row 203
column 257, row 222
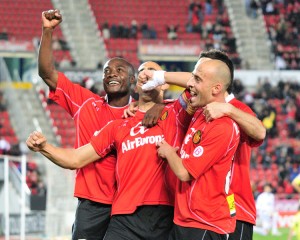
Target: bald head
column 149, row 66
column 221, row 56
column 218, row 71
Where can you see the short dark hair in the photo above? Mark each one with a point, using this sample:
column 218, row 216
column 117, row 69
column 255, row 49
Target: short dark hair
column 221, row 56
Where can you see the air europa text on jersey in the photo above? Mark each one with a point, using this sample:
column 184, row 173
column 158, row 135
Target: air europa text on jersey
column 141, row 141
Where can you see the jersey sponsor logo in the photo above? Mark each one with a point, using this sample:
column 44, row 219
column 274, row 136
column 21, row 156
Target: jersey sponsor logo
column 138, row 129
column 139, row 141
column 197, row 137
column 183, row 154
column 198, row 151
column 164, row 116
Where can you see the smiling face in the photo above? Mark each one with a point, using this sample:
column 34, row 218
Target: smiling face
column 209, row 82
column 118, row 75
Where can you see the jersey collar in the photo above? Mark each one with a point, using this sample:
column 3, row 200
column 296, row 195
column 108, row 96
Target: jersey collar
column 229, row 97
column 106, row 99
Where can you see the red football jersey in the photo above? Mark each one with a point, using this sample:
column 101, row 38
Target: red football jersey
column 240, row 179
column 207, row 202
column 141, row 174
column 90, row 112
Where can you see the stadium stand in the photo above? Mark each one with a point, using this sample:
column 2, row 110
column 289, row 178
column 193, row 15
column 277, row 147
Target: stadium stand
column 63, row 124
column 14, row 19
column 283, row 29
column 277, row 160
column 212, row 27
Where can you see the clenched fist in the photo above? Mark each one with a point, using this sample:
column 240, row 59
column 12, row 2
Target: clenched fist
column 36, row 141
column 51, row 18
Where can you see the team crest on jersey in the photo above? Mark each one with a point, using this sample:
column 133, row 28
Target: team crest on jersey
column 197, row 137
column 164, row 116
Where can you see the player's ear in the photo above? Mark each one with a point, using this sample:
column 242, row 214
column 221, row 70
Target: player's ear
column 216, row 89
column 132, row 79
column 165, row 87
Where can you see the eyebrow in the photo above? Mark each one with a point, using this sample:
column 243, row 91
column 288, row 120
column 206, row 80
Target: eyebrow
column 195, row 76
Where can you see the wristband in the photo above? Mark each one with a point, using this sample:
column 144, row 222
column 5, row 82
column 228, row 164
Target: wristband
column 159, row 77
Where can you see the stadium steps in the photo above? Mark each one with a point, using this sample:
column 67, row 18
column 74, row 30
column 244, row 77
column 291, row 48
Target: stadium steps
column 81, row 32
column 26, row 111
column 252, row 39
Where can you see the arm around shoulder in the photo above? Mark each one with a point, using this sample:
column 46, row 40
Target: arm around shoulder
column 250, row 124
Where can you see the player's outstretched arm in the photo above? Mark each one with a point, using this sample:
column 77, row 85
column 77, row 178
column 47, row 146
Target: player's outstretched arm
column 161, row 77
column 64, row 157
column 250, row 124
column 47, row 71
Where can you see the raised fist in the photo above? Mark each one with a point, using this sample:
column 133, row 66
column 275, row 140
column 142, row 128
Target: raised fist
column 51, row 18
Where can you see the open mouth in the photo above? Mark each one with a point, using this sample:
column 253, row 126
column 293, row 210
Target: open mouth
column 113, row 83
column 193, row 94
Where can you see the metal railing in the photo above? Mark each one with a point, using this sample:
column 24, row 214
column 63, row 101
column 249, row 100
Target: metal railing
column 23, row 189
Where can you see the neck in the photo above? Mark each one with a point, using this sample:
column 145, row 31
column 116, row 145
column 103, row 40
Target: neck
column 118, row 101
column 145, row 106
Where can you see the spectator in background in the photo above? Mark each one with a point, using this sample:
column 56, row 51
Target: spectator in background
column 100, row 65
column 220, row 4
column 152, row 32
column 89, row 83
column 269, row 121
column 114, row 31
column 64, row 44
column 208, row 7
column 194, row 8
column 145, row 30
column 3, row 104
column 197, row 18
column 56, row 44
column 280, row 63
column 254, row 6
column 266, row 212
column 209, row 44
column 269, row 8
column 105, row 31
column 4, row 34
column 123, row 30
column 238, row 88
column 172, row 31
column 65, row 63
column 4, row 145
column 189, row 27
column 247, row 6
column 133, row 29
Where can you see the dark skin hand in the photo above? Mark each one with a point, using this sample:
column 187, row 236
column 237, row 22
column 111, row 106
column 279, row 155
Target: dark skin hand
column 152, row 115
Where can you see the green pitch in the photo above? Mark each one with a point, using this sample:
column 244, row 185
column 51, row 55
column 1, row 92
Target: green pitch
column 284, row 235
